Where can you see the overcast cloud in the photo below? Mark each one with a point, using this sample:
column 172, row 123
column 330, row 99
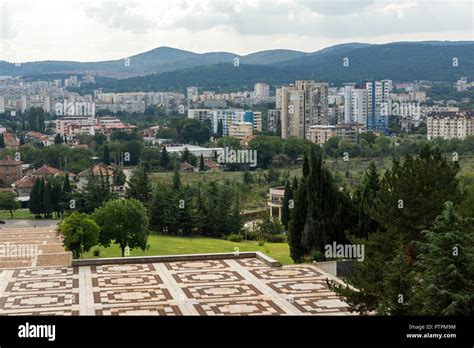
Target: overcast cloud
column 99, row 30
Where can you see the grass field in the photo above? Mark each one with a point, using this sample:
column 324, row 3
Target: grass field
column 18, row 214
column 171, row 245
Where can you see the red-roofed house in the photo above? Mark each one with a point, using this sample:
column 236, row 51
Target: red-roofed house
column 23, row 188
column 11, row 141
column 100, row 169
column 10, row 170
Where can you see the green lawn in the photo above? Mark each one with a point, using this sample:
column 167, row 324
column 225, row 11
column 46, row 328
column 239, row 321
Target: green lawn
column 18, row 214
column 170, row 245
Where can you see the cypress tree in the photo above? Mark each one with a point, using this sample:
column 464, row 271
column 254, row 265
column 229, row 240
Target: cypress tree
column 56, row 198
column 41, row 195
column 106, row 156
column 220, row 129
column 297, row 222
column 201, row 213
column 164, row 159
column 286, row 210
column 201, row 164
column 58, row 139
column 34, row 202
column 236, row 214
column 365, row 197
column 47, row 200
column 176, row 180
column 67, row 184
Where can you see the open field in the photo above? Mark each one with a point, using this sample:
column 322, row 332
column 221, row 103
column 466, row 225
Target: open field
column 17, row 214
column 171, row 245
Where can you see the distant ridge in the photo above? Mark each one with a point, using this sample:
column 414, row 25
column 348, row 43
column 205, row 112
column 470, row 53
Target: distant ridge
column 166, row 67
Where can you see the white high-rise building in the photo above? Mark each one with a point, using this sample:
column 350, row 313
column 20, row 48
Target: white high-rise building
column 192, row 93
column 24, row 105
column 378, row 93
column 2, row 104
column 359, row 105
column 355, row 104
column 461, row 84
column 47, row 103
column 261, row 90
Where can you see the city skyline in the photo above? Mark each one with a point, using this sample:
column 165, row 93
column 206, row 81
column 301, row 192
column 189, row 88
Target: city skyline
column 105, row 31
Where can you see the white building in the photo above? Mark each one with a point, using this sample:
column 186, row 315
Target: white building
column 261, row 90
column 2, row 104
column 195, row 150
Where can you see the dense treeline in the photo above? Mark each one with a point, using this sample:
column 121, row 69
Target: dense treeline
column 208, row 209
column 402, row 218
column 49, row 196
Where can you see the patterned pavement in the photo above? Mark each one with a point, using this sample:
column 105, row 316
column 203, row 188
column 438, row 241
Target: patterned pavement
column 32, row 247
column 214, row 287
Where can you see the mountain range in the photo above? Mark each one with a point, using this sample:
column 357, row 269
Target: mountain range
column 166, row 68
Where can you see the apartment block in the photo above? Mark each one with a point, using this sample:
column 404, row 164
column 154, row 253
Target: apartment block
column 301, row 106
column 449, row 124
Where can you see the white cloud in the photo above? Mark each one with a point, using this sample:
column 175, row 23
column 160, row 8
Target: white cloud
column 99, row 30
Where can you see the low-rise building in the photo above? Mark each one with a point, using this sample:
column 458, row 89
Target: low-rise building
column 10, row 170
column 275, row 201
column 321, row 134
column 100, row 169
column 39, row 138
column 240, row 130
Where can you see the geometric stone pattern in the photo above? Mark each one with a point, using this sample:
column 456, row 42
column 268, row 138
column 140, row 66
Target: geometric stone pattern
column 205, row 287
column 32, row 247
column 214, row 287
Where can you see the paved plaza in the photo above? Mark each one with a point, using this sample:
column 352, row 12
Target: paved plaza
column 245, row 286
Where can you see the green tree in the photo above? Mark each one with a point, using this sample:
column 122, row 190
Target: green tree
column 96, row 193
column 220, row 129
column 106, row 155
column 159, row 207
column 47, row 200
column 201, row 164
column 119, row 176
column 123, row 222
column 164, row 159
column 58, row 139
column 237, row 222
column 139, row 186
column 248, row 178
column 56, row 198
column 365, row 199
column 410, row 198
column 176, row 180
column 8, row 202
column 2, row 141
column 35, row 202
column 286, row 208
column 446, row 285
column 80, row 233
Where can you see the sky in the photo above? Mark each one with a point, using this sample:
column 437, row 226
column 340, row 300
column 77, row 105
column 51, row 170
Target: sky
column 33, row 30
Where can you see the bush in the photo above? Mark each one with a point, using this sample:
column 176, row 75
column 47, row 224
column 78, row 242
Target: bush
column 235, row 237
column 96, row 253
column 277, row 238
column 315, row 255
column 261, row 240
column 252, row 235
